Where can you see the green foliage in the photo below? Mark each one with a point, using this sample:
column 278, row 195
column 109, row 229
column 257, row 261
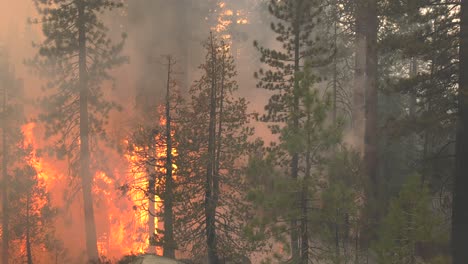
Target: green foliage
column 293, row 26
column 339, row 220
column 281, row 198
column 232, row 209
column 58, row 60
column 410, row 220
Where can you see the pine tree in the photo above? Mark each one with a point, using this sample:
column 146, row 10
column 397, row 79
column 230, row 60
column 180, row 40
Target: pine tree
column 365, row 97
column 295, row 23
column 155, row 150
column 168, row 198
column 338, row 221
column 23, row 193
column 213, row 140
column 460, row 198
column 33, row 224
column 76, row 56
column 409, row 221
column 11, row 94
column 313, row 141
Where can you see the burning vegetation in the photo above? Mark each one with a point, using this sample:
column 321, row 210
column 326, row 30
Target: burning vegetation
column 147, row 142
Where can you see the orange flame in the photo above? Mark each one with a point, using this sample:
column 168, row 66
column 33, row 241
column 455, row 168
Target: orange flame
column 121, row 221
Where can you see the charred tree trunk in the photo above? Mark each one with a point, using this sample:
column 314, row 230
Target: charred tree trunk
column 365, row 100
column 28, row 230
column 151, row 197
column 86, row 177
column 460, row 194
column 5, row 209
column 169, row 243
column 210, row 206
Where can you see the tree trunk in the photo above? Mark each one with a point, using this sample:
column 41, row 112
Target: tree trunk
column 413, row 74
column 169, row 244
column 28, row 230
column 295, row 249
column 86, row 177
column 151, row 198
column 335, row 63
column 5, row 209
column 220, row 127
column 460, row 194
column 370, row 139
column 360, row 76
column 210, row 206
column 365, row 105
column 305, row 198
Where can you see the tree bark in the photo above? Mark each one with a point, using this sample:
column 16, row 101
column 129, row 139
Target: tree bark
column 151, row 197
column 360, row 76
column 169, row 243
column 305, row 248
column 370, row 139
column 5, row 207
column 210, row 207
column 460, row 194
column 295, row 248
column 28, row 230
column 86, row 177
column 365, row 102
column 219, row 132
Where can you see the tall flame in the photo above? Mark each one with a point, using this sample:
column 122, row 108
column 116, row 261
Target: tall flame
column 121, row 220
column 138, row 191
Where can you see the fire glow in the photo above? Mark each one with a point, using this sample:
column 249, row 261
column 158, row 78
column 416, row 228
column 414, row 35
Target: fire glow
column 122, row 218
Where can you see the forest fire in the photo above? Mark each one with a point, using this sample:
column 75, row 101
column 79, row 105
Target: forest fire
column 133, row 129
column 147, row 163
column 46, row 171
column 122, row 218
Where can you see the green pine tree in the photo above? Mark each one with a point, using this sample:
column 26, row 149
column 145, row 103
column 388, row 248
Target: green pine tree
column 213, row 143
column 76, row 57
column 295, row 24
column 410, row 221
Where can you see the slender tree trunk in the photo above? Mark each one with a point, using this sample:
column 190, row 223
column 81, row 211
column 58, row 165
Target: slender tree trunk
column 370, row 139
column 304, row 223
column 460, row 193
column 360, row 76
column 334, row 113
column 305, row 251
column 427, row 147
column 220, row 129
column 86, row 177
column 151, row 198
column 335, row 64
column 365, row 100
column 413, row 74
column 337, row 237
column 5, row 207
column 169, row 244
column 210, row 207
column 28, row 230
column 295, row 247
column 346, row 236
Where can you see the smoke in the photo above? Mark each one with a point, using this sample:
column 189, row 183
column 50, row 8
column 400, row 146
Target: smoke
column 154, row 28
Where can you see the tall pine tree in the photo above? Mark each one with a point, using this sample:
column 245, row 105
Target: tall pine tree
column 76, row 56
column 294, row 23
column 213, row 142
